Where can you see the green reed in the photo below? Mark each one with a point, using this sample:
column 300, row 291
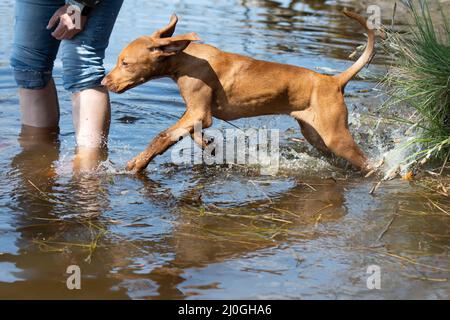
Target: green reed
column 420, row 78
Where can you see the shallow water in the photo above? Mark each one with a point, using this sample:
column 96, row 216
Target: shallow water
column 311, row 231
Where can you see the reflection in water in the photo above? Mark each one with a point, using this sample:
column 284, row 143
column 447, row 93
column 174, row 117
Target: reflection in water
column 308, row 27
column 290, row 21
column 202, row 238
column 43, row 206
column 35, row 176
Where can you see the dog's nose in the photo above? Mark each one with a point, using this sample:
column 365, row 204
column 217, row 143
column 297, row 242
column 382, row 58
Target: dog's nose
column 105, row 82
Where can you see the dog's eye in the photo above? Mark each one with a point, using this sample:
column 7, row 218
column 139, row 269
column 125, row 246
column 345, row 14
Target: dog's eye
column 153, row 49
column 124, row 63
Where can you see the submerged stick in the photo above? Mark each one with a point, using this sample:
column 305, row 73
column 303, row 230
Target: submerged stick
column 425, row 278
column 46, row 196
column 386, row 229
column 437, row 206
column 405, row 259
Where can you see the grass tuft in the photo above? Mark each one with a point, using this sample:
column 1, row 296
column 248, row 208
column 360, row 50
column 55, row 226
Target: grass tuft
column 420, row 78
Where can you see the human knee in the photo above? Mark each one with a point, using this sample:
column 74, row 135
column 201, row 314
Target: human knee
column 83, row 68
column 30, row 79
column 32, row 69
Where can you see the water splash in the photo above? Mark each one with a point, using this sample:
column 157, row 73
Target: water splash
column 393, row 158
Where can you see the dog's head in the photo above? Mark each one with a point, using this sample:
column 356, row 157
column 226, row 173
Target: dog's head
column 145, row 58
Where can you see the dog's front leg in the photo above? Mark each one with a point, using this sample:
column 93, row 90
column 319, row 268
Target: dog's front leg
column 166, row 139
column 161, row 143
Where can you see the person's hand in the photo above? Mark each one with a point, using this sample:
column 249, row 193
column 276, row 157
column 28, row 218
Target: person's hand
column 67, row 27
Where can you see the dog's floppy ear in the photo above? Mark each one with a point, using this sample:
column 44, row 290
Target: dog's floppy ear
column 168, row 30
column 174, row 45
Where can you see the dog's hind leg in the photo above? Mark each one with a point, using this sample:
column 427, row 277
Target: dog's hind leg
column 311, row 135
column 344, row 146
column 327, row 130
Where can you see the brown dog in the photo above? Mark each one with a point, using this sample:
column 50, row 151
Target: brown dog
column 228, row 86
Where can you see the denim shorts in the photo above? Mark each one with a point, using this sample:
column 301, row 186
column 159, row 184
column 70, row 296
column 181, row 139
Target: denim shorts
column 34, row 49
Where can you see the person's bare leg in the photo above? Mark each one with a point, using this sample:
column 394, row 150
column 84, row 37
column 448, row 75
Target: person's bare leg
column 39, row 133
column 92, row 118
column 40, row 108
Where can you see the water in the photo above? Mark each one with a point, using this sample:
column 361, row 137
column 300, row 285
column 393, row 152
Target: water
column 190, row 232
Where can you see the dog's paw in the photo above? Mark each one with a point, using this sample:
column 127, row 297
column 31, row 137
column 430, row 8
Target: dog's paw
column 130, row 165
column 137, row 165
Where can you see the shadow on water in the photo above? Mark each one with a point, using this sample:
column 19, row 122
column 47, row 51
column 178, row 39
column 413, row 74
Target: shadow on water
column 221, row 232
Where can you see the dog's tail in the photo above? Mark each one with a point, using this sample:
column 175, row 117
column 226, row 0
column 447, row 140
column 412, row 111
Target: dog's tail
column 348, row 75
